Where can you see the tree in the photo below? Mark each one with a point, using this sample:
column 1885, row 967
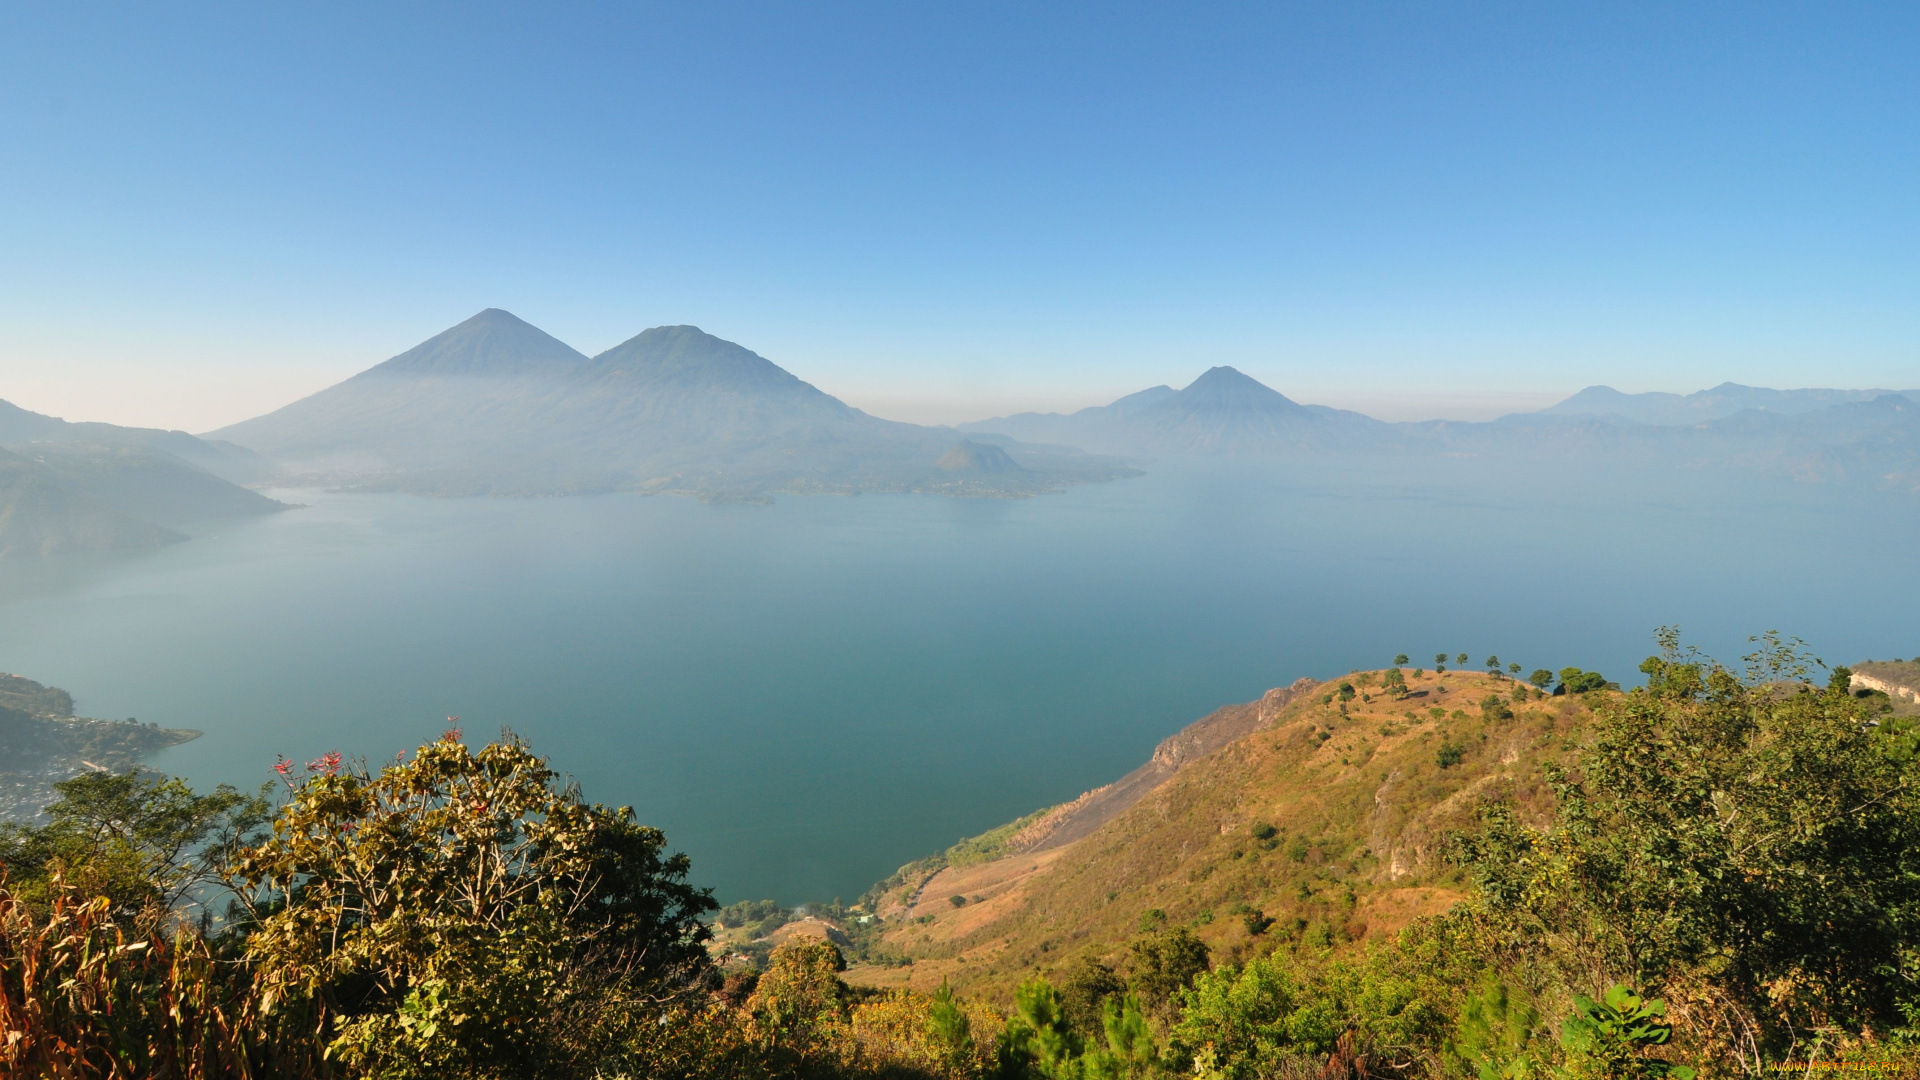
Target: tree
column 1400, row 660
column 800, row 997
column 1541, row 678
column 1493, row 664
column 1084, row 993
column 1575, row 681
column 1460, row 659
column 1493, row 1035
column 1748, row 839
column 131, row 837
column 949, row 1026
column 1439, row 659
column 464, row 914
column 1513, row 669
column 1164, row 964
column 1037, row 1035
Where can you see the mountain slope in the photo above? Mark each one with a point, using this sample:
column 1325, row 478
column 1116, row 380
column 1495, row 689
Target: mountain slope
column 434, row 406
column 147, row 485
column 1727, row 399
column 495, row 406
column 1222, row 413
column 40, row 516
column 102, row 488
column 42, row 743
column 232, row 463
column 1323, row 816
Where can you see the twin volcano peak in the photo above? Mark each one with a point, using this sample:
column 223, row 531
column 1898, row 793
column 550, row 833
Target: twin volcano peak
column 499, row 344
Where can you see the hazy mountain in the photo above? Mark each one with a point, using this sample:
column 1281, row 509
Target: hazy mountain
column 1223, row 412
column 496, row 406
column 970, row 457
column 145, row 484
column 1725, row 400
column 436, row 406
column 1088, row 426
column 223, row 459
column 1859, row 436
column 39, row 515
column 99, row 487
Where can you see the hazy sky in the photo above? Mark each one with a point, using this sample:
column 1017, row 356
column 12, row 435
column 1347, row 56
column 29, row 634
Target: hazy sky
column 945, row 211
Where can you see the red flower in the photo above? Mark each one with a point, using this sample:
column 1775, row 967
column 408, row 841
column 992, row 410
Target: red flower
column 283, row 765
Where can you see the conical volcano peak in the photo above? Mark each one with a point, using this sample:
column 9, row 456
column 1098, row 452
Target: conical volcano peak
column 1227, row 388
column 494, row 342
column 690, row 356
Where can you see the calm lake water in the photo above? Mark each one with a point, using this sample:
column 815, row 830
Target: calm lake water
column 808, row 694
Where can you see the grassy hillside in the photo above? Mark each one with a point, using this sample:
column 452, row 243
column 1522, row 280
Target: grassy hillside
column 1322, row 824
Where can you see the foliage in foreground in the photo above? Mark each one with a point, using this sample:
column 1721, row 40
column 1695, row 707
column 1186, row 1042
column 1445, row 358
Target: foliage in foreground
column 1728, row 880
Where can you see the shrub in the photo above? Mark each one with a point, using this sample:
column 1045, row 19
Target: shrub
column 1162, row 965
column 463, row 914
column 1747, row 838
column 1085, row 991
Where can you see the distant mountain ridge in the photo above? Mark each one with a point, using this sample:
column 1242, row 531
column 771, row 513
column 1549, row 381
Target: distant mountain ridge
column 1865, row 436
column 497, row 406
column 1718, row 403
column 1223, row 412
column 89, row 487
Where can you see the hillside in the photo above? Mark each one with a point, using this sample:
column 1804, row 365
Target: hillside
column 1898, row 679
column 68, row 488
column 42, row 743
column 20, row 428
column 496, row 406
column 1319, row 819
column 59, row 498
column 40, row 516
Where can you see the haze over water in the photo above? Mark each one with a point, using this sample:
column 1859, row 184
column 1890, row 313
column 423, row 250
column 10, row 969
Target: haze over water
column 808, row 694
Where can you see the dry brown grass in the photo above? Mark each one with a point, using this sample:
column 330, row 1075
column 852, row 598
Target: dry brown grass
column 1360, row 816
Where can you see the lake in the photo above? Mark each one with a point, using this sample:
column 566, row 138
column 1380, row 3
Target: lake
column 808, row 694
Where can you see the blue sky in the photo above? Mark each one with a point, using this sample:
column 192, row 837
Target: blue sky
column 944, row 211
